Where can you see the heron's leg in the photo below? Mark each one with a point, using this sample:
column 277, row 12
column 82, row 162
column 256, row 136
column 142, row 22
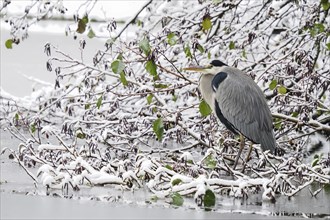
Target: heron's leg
column 239, row 151
column 247, row 158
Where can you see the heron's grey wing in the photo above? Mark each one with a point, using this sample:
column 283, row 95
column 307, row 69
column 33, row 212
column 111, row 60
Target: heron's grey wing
column 242, row 103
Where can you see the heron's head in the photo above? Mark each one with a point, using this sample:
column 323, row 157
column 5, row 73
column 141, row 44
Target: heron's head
column 212, row 68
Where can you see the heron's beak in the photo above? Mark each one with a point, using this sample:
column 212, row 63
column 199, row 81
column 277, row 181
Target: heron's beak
column 201, row 69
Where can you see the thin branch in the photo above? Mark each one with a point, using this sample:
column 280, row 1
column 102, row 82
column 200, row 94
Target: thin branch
column 133, row 19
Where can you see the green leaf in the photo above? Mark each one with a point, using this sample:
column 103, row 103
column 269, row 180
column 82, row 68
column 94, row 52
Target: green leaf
column 169, row 167
column 117, row 66
column 273, row 84
column 231, row 45
column 9, row 44
column 109, row 42
column 206, row 23
column 145, row 46
column 327, row 188
column 16, row 116
column 204, row 108
column 33, row 127
column 82, row 25
column 328, row 46
column 172, row 39
column 210, row 162
column 315, row 162
column 160, row 86
column 151, row 68
column 325, row 4
column 91, row 33
column 200, row 48
column 154, row 198
column 177, row 199
column 158, row 128
column 209, row 55
column 187, row 51
column 99, row 102
column 316, row 29
column 85, row 19
column 295, row 114
column 123, row 79
column 149, row 98
column 120, row 57
column 320, row 27
column 281, row 90
column 244, row 54
column 312, row 32
column 209, row 198
column 278, row 125
column 81, row 135
column 176, row 182
column 174, row 98
column 139, row 23
column 87, row 106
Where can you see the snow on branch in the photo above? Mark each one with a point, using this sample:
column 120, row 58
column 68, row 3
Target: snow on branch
column 131, row 115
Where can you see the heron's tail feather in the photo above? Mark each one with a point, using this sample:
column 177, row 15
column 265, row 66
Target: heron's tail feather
column 268, row 142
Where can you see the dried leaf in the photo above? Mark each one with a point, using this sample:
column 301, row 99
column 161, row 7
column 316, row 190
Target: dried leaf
column 82, row 23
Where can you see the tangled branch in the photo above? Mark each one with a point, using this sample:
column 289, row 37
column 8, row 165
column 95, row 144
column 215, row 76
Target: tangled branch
column 131, row 115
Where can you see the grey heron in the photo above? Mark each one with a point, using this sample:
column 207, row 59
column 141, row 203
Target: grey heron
column 238, row 102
